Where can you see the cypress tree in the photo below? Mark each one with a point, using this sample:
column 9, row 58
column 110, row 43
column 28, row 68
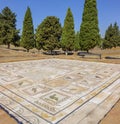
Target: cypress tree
column 89, row 31
column 68, row 33
column 8, row 31
column 27, row 40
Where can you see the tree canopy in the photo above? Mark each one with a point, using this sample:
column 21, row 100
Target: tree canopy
column 68, row 33
column 27, row 39
column 89, row 31
column 48, row 34
column 112, row 36
column 8, row 31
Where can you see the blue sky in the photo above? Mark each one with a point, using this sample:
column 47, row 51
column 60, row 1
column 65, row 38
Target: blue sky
column 108, row 11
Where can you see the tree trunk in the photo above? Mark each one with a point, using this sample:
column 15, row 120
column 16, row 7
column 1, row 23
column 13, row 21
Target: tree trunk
column 39, row 51
column 27, row 50
column 66, row 53
column 51, row 52
column 8, row 45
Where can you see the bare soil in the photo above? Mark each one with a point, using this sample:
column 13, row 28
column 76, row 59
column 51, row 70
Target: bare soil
column 19, row 54
column 113, row 117
column 5, row 118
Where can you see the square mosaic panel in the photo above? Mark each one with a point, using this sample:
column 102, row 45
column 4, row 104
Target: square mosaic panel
column 34, row 90
column 75, row 89
column 22, row 83
column 55, row 98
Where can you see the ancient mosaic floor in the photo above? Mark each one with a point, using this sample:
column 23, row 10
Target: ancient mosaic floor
column 59, row 91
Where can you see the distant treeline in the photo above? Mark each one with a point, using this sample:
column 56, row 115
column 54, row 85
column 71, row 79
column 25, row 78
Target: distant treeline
column 50, row 35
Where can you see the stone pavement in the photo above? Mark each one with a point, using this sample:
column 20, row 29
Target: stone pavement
column 59, row 91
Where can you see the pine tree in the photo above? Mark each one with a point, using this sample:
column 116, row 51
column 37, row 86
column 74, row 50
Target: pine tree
column 107, row 39
column 112, row 36
column 116, row 35
column 89, row 31
column 8, row 32
column 68, row 33
column 27, row 40
column 48, row 34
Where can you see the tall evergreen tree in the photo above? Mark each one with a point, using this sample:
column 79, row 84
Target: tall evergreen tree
column 8, row 31
column 68, row 33
column 112, row 36
column 48, row 34
column 27, row 40
column 89, row 31
column 116, row 35
column 107, row 39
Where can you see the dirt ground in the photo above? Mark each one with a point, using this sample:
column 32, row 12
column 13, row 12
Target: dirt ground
column 17, row 54
column 6, row 119
column 113, row 117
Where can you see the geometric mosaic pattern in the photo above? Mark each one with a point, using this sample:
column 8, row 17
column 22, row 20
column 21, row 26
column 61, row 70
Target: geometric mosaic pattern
column 56, row 91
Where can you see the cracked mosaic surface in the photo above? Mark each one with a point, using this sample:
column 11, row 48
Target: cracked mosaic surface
column 56, row 91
